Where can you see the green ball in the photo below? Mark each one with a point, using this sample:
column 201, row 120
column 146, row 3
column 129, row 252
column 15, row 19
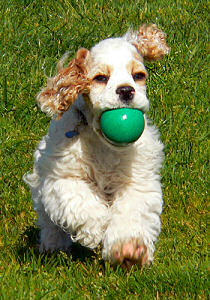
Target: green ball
column 122, row 126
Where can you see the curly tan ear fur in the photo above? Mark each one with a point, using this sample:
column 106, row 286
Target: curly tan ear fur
column 62, row 90
column 149, row 41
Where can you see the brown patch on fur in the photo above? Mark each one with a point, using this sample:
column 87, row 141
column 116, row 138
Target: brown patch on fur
column 137, row 56
column 133, row 68
column 86, row 98
column 63, row 89
column 103, row 70
column 151, row 42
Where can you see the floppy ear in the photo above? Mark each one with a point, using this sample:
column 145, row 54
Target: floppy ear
column 149, row 41
column 62, row 90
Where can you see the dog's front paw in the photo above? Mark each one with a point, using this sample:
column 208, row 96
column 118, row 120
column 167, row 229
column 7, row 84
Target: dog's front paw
column 129, row 253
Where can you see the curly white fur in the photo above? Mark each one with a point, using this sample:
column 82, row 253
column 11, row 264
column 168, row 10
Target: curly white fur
column 87, row 190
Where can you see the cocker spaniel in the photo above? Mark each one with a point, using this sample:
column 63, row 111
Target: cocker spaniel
column 86, row 188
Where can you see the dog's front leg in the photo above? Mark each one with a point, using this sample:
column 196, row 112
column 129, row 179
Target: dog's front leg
column 134, row 225
column 73, row 206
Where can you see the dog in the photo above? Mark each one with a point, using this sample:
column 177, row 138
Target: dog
column 84, row 188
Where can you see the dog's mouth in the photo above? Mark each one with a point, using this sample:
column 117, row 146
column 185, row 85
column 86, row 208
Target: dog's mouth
column 95, row 125
column 120, row 127
column 109, row 143
column 115, row 127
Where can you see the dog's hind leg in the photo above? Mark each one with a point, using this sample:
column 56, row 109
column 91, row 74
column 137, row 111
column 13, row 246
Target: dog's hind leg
column 52, row 237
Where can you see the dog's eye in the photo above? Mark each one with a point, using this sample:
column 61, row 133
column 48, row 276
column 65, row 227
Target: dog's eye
column 139, row 76
column 101, row 78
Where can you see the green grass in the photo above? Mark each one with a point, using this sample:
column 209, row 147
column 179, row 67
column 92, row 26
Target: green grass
column 33, row 36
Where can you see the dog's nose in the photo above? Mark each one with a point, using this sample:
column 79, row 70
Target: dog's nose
column 126, row 93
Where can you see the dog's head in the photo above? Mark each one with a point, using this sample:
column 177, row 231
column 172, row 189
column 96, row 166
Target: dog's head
column 111, row 75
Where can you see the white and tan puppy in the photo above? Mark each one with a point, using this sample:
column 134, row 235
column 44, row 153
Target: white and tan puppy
column 85, row 189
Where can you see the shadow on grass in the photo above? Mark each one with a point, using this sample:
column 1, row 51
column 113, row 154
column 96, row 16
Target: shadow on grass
column 28, row 249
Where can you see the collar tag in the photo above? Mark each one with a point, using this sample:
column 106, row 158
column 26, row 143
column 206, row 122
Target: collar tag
column 71, row 134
